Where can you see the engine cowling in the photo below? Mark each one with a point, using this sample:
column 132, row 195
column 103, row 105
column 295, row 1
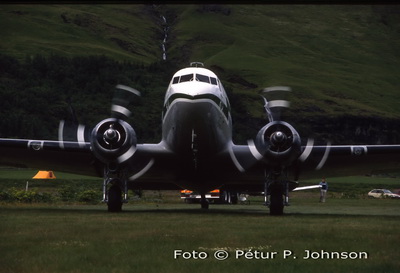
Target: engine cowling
column 113, row 142
column 279, row 143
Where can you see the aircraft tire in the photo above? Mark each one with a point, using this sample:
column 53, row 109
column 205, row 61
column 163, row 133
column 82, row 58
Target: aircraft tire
column 204, row 204
column 234, row 198
column 114, row 199
column 276, row 206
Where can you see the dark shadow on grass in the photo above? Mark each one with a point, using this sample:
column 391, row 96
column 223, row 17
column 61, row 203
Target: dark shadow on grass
column 242, row 211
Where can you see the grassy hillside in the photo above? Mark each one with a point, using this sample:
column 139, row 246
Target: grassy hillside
column 123, row 32
column 342, row 62
column 337, row 58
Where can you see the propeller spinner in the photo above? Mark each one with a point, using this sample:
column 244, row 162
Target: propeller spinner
column 114, row 140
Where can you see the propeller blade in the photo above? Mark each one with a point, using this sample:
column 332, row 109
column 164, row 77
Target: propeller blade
column 72, row 132
column 128, row 89
column 117, row 109
column 277, row 88
column 61, row 133
column 325, row 156
column 267, row 110
column 80, row 135
column 311, row 152
column 307, row 151
column 142, row 171
column 123, row 96
column 274, row 103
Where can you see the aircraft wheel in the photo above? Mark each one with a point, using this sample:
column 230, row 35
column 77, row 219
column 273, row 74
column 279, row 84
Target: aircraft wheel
column 235, row 198
column 276, row 206
column 114, row 199
column 204, row 204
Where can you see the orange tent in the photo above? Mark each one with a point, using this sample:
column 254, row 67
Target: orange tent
column 44, row 175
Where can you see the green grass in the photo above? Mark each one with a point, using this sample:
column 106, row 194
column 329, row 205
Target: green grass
column 39, row 238
column 71, row 237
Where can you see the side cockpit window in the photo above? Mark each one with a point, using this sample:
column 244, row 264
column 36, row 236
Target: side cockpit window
column 175, row 80
column 213, row 81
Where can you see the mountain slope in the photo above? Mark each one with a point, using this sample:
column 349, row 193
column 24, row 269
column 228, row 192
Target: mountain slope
column 342, row 62
column 123, row 32
column 338, row 58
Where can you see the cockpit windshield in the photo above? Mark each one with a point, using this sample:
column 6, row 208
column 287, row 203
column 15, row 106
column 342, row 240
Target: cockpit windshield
column 197, row 77
column 186, row 78
column 202, row 78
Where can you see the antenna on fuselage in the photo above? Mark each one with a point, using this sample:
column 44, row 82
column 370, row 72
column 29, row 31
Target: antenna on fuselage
column 196, row 64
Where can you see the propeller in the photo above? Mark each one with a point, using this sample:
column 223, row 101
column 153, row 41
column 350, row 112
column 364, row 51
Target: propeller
column 70, row 129
column 112, row 140
column 273, row 106
column 124, row 95
column 277, row 143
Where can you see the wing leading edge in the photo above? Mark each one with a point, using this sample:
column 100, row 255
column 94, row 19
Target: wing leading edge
column 330, row 160
column 73, row 157
column 64, row 156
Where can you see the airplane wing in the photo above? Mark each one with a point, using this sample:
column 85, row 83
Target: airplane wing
column 73, row 157
column 46, row 154
column 330, row 160
column 343, row 160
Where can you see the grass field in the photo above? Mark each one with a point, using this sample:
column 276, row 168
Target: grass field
column 69, row 238
column 74, row 237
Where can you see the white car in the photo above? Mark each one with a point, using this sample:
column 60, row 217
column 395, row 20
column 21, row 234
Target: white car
column 382, row 193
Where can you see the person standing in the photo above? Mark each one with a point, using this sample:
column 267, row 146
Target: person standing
column 323, row 190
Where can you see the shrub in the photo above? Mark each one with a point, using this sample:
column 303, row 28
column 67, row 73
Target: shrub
column 67, row 193
column 89, row 196
column 25, row 196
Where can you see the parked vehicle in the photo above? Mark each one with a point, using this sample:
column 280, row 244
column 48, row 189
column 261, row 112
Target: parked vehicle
column 382, row 193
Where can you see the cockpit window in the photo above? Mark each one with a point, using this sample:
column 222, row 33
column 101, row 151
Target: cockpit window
column 190, row 77
column 186, row 78
column 175, row 80
column 202, row 78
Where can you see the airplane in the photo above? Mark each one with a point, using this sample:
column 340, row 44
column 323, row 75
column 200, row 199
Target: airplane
column 196, row 150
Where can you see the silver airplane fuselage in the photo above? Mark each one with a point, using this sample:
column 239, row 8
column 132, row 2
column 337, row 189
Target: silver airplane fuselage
column 197, row 123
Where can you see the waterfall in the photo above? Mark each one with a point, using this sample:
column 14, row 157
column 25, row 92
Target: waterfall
column 165, row 29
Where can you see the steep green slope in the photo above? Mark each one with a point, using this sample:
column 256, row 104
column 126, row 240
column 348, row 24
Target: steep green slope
column 123, row 32
column 337, row 58
column 343, row 62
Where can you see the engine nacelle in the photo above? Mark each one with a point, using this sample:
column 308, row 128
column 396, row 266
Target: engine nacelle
column 113, row 142
column 279, row 143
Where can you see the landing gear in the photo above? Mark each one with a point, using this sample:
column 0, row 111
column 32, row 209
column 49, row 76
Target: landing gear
column 276, row 191
column 115, row 193
column 276, row 205
column 114, row 202
column 204, row 202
